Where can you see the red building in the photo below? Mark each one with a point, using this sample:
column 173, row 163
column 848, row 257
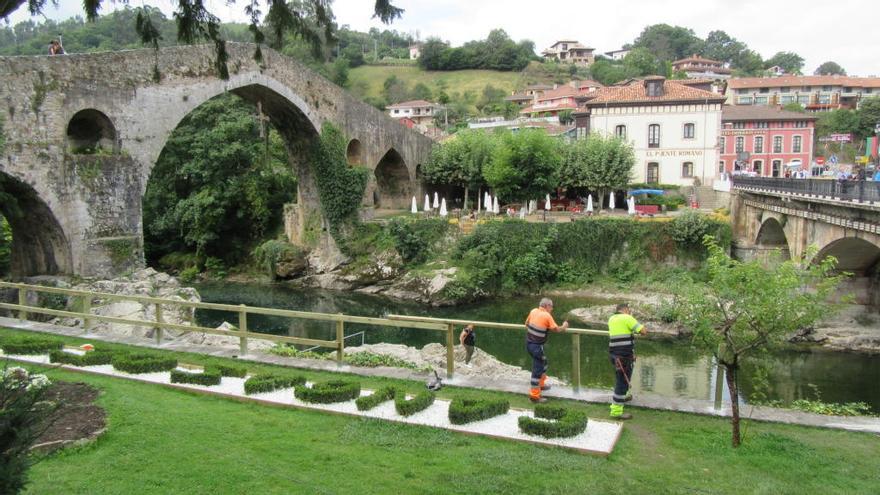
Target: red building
column 767, row 141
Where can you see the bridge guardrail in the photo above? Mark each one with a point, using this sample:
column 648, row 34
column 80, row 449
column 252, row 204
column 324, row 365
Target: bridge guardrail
column 848, row 190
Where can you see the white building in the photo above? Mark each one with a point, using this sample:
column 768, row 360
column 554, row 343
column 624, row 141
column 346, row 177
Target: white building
column 415, row 51
column 420, row 111
column 672, row 127
column 617, row 54
column 570, row 52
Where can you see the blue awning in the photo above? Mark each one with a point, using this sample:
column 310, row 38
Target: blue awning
column 640, row 192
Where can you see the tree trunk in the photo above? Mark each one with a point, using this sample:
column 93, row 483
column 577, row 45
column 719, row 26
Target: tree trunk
column 734, row 402
column 464, row 206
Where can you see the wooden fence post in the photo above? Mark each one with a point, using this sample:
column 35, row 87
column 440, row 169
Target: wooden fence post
column 340, row 339
column 576, row 362
column 242, row 327
column 450, row 350
column 87, row 310
column 158, row 324
column 22, row 301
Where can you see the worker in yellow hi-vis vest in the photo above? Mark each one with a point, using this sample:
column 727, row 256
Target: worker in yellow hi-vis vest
column 622, row 328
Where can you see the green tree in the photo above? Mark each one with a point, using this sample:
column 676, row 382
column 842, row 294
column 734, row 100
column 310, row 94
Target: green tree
column 641, row 62
column 840, row 121
column 566, row 117
column 218, row 186
column 669, row 43
column 794, row 107
column 340, row 72
column 722, row 47
column 422, row 92
column 869, row 116
column 525, row 165
column 607, row 72
column 394, row 90
column 598, row 163
column 460, row 162
column 791, row 62
column 748, row 63
column 745, row 308
column 830, row 69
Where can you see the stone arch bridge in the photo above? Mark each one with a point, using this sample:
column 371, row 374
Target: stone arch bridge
column 788, row 216
column 82, row 212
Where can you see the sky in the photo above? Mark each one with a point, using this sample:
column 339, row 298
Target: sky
column 843, row 30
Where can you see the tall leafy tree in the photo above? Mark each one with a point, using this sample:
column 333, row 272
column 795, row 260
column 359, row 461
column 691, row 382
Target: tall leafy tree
column 599, row 163
column 791, row 62
column 869, row 116
column 830, row 69
column 722, row 47
column 641, row 62
column 669, row 43
column 460, row 161
column 840, row 121
column 525, row 165
column 744, row 308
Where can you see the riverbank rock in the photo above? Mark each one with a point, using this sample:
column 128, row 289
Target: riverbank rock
column 597, row 317
column 434, row 355
column 853, row 328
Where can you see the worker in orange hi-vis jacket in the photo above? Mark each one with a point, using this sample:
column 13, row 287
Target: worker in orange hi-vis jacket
column 538, row 323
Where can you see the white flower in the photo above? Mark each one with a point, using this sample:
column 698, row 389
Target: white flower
column 37, row 382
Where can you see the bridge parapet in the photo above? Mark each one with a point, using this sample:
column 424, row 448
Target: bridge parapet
column 857, row 194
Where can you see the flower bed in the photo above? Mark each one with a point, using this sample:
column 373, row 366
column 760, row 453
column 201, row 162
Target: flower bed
column 557, row 422
column 462, row 411
column 266, row 382
column 381, row 395
column 209, row 377
column 328, row 392
column 408, row 407
column 92, row 358
column 142, row 363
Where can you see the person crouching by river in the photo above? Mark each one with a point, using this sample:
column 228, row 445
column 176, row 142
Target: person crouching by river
column 538, row 323
column 622, row 328
column 467, row 339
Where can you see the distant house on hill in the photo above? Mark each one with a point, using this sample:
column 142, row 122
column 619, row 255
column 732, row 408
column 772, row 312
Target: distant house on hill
column 415, row 51
column 570, row 52
column 420, row 111
column 697, row 67
column 617, row 54
column 553, row 99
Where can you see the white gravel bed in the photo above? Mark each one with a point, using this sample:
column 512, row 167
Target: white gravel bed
column 599, row 437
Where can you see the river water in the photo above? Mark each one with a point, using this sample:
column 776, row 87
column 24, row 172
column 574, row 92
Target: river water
column 672, row 368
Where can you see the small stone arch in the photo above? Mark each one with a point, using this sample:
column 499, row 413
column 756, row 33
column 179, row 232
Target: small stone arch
column 354, row 152
column 853, row 254
column 392, row 182
column 772, row 236
column 90, row 131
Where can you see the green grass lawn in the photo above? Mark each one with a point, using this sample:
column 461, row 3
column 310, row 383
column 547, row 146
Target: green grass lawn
column 169, row 441
column 371, row 78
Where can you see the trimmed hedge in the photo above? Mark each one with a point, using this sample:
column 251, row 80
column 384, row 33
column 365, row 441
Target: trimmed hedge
column 91, row 358
column 328, row 392
column 211, row 376
column 231, row 370
column 420, row 402
column 462, row 411
column 142, row 363
column 379, row 396
column 563, row 422
column 30, row 345
column 268, row 382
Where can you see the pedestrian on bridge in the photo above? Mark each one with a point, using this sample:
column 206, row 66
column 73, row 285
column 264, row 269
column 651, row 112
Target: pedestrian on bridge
column 538, row 323
column 622, row 328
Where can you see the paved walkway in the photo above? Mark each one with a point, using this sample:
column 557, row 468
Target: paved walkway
column 651, row 401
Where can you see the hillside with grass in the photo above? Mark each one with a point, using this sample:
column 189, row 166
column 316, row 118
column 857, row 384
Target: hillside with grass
column 368, row 80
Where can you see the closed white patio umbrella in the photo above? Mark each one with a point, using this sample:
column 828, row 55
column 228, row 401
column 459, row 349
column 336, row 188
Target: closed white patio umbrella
column 427, row 203
column 631, row 205
column 590, row 203
column 414, row 208
column 443, row 211
column 436, row 200
column 547, row 203
column 495, row 208
column 611, row 205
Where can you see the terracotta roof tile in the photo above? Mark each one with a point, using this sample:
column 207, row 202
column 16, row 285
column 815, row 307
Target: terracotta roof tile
column 412, row 103
column 791, row 81
column 636, row 92
column 696, row 59
column 736, row 113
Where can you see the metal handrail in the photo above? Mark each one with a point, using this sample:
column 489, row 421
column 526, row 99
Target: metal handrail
column 846, row 190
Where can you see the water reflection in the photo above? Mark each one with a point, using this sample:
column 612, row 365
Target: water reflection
column 669, row 368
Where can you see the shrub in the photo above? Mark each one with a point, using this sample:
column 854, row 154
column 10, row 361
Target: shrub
column 23, row 419
column 414, row 239
column 211, row 376
column 92, row 358
column 268, row 382
column 142, row 363
column 29, row 345
column 463, row 411
column 328, row 392
column 408, row 407
column 189, row 274
column 372, row 360
column 269, row 253
column 381, row 395
column 231, row 370
column 563, row 422
column 689, row 228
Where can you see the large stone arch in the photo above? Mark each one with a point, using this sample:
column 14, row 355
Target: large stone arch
column 39, row 246
column 393, row 183
column 354, row 152
column 771, row 235
column 853, row 254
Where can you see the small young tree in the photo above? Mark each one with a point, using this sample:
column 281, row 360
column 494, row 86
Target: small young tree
column 23, row 418
column 525, row 166
column 748, row 307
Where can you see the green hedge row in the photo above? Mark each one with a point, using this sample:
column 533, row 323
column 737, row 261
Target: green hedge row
column 462, row 411
column 211, row 376
column 91, row 358
column 381, row 395
column 328, row 392
column 29, row 345
column 268, row 382
column 420, row 402
column 231, row 370
column 142, row 363
column 557, row 422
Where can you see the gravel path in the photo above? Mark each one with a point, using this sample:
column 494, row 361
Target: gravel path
column 599, row 437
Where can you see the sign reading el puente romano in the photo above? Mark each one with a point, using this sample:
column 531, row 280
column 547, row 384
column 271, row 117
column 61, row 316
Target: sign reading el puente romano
column 651, row 154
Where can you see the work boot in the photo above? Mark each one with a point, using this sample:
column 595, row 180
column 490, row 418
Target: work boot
column 545, row 387
column 623, row 416
column 628, row 398
column 538, row 400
